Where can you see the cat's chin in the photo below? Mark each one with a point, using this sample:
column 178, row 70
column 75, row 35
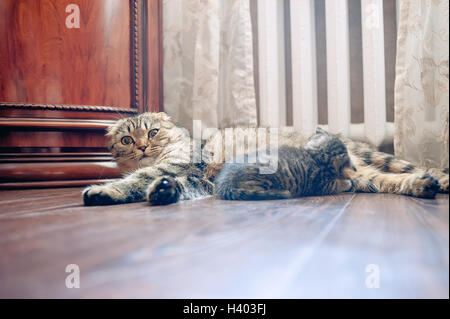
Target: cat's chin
column 146, row 161
column 132, row 165
column 127, row 166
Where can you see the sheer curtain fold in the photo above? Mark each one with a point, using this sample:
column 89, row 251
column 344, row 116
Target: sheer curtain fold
column 209, row 71
column 208, row 62
column 422, row 83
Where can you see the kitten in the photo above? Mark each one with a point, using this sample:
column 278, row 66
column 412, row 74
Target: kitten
column 318, row 168
column 155, row 157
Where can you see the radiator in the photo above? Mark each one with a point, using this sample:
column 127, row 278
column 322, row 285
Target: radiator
column 272, row 66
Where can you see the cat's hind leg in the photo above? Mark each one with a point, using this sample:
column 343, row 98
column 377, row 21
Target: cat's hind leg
column 371, row 180
column 442, row 176
column 391, row 164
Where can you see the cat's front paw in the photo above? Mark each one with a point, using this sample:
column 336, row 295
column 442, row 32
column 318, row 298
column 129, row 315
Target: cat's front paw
column 163, row 191
column 442, row 176
column 425, row 186
column 96, row 195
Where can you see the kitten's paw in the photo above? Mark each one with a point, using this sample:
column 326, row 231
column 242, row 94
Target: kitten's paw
column 96, row 195
column 443, row 181
column 163, row 191
column 349, row 186
column 425, row 186
column 345, row 185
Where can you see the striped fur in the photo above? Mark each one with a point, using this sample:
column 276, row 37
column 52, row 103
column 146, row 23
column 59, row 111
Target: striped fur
column 316, row 169
column 157, row 166
column 379, row 172
column 159, row 169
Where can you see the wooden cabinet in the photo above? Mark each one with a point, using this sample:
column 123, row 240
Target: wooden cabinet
column 63, row 83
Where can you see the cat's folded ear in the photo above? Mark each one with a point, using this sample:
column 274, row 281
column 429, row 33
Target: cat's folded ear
column 163, row 116
column 110, row 130
column 320, row 130
column 165, row 120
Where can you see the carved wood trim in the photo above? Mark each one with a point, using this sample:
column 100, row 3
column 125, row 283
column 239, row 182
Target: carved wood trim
column 26, row 159
column 146, row 55
column 136, row 55
column 65, row 107
column 59, row 124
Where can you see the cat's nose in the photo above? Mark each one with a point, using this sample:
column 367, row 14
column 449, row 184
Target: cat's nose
column 142, row 148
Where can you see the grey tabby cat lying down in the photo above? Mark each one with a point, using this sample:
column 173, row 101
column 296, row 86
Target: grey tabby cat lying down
column 154, row 155
column 319, row 168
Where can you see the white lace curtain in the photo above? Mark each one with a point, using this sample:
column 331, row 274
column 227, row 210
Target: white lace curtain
column 208, row 62
column 208, row 71
column 421, row 89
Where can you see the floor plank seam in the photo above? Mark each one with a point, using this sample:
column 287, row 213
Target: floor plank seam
column 295, row 268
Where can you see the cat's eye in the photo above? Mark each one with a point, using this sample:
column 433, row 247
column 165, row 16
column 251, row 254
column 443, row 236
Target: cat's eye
column 127, row 140
column 152, row 133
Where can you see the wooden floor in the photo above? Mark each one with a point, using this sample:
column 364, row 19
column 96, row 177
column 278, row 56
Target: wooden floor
column 303, row 248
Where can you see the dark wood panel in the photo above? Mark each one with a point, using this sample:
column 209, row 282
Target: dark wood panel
column 153, row 72
column 61, row 87
column 76, row 138
column 12, row 172
column 43, row 61
column 308, row 247
column 52, row 184
column 43, row 153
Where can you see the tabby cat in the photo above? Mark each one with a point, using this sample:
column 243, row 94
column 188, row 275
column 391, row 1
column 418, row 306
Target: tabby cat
column 155, row 157
column 318, row 168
